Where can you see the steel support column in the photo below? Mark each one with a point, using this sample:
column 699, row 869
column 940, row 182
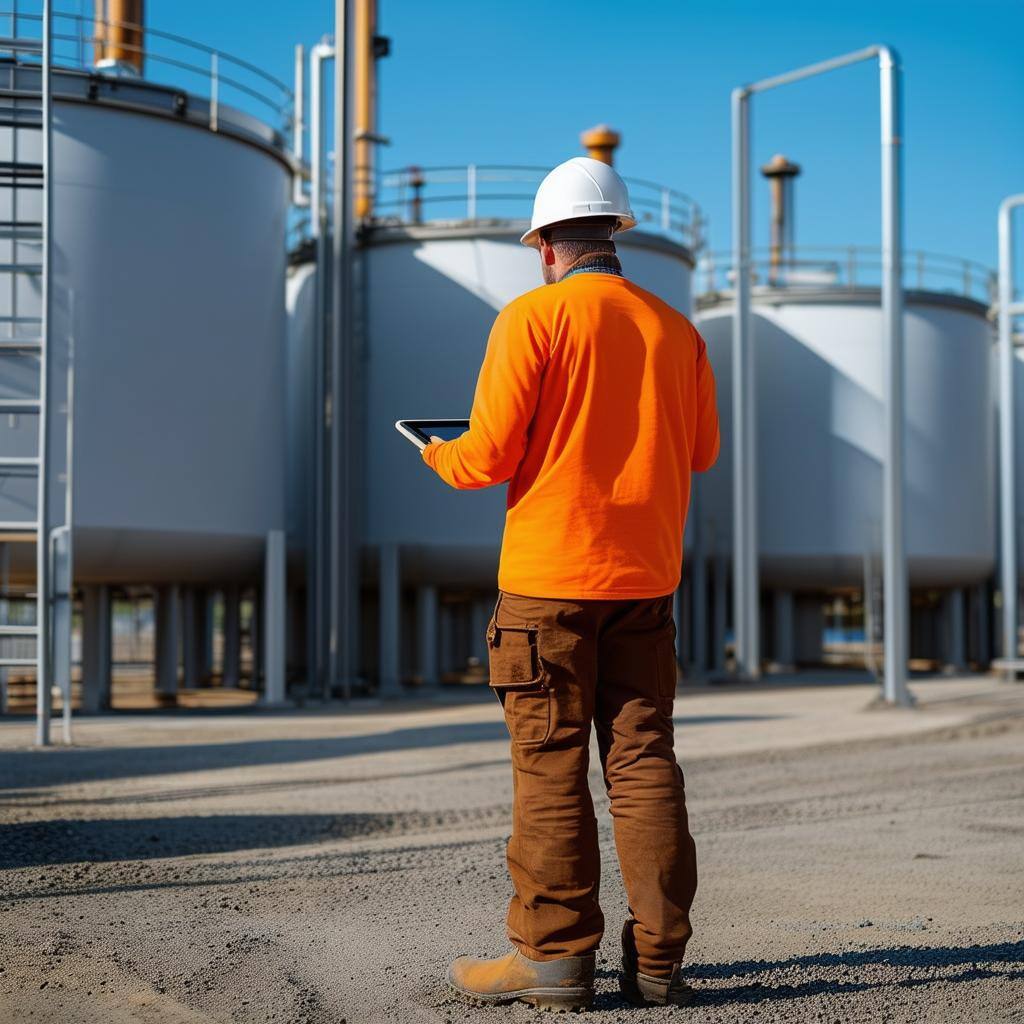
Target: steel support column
column 1008, row 309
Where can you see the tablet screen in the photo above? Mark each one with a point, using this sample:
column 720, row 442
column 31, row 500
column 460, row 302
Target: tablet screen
column 421, row 431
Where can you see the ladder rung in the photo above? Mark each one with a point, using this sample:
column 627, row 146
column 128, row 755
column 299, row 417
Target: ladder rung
column 18, row 630
column 19, row 405
column 20, row 268
column 16, row 526
column 17, row 662
column 20, row 344
column 17, row 462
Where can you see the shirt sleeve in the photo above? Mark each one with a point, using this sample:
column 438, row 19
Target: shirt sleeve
column 503, row 406
column 707, row 441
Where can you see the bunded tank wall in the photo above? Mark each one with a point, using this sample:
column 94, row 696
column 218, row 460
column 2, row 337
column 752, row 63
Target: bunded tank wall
column 820, row 438
column 169, row 252
column 432, row 298
column 300, row 303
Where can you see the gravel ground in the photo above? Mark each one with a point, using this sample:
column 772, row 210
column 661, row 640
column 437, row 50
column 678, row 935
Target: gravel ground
column 236, row 873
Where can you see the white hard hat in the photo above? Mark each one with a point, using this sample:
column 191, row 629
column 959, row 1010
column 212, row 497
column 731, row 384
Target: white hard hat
column 580, row 189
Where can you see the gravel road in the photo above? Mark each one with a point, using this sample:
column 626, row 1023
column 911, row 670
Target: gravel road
column 316, row 879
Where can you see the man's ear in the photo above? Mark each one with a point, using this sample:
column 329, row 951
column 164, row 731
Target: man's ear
column 549, row 255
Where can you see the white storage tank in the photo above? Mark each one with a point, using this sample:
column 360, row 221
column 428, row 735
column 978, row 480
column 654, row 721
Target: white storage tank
column 168, row 272
column 820, row 419
column 820, row 436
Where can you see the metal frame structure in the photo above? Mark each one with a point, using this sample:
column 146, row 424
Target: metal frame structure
column 1008, row 309
column 746, row 596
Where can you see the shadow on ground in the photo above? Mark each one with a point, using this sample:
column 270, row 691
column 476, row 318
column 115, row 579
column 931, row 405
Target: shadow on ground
column 64, row 841
column 32, row 768
column 1001, row 959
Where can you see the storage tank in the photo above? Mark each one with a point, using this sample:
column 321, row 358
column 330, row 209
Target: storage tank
column 170, row 207
column 817, row 338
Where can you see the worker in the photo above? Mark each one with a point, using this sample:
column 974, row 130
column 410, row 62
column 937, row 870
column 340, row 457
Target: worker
column 595, row 402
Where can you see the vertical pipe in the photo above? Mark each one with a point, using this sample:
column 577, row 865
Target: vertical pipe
column 745, row 571
column 1007, row 427
column 471, row 192
column 299, row 197
column 894, row 557
column 43, row 634
column 342, row 562
column 365, row 98
column 318, row 553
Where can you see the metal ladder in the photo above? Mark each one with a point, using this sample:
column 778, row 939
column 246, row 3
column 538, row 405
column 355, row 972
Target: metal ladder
column 27, row 484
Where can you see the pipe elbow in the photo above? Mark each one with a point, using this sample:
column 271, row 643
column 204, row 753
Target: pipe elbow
column 888, row 57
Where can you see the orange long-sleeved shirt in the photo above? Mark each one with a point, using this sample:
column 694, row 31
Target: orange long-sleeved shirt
column 595, row 401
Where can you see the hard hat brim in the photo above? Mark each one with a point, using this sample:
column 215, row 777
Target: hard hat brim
column 532, row 237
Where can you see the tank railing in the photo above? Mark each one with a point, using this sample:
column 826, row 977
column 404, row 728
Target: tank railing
column 813, row 267
column 209, row 72
column 470, row 193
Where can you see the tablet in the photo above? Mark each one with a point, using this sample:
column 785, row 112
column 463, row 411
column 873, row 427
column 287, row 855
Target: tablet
column 421, row 431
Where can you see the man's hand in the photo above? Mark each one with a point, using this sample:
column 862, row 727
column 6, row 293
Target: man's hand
column 436, row 440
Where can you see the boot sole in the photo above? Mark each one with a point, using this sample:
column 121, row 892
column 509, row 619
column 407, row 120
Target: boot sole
column 633, row 994
column 557, row 1000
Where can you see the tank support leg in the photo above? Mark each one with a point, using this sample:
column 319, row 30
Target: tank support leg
column 168, row 632
column 782, row 615
column 96, row 648
column 718, row 624
column 426, row 634
column 956, row 658
column 232, row 636
column 390, row 621
column 446, row 643
column 190, row 652
column 274, row 612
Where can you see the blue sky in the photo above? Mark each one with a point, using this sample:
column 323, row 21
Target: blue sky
column 516, row 82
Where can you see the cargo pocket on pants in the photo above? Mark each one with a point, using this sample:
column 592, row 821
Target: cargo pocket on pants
column 519, row 681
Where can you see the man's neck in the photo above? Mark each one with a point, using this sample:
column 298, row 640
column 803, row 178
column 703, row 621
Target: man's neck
column 594, row 263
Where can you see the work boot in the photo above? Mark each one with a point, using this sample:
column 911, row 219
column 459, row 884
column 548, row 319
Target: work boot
column 563, row 984
column 644, row 989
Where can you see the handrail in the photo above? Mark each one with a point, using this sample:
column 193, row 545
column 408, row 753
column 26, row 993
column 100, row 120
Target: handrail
column 850, row 267
column 401, row 195
column 273, row 97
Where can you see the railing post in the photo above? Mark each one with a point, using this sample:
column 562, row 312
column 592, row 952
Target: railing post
column 666, row 218
column 967, row 279
column 471, row 192
column 214, row 99
column 920, row 271
column 851, row 267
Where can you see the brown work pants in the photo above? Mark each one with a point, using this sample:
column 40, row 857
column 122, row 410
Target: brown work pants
column 557, row 666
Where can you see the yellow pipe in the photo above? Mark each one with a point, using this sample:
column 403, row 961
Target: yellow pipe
column 119, row 33
column 600, row 142
column 365, row 105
